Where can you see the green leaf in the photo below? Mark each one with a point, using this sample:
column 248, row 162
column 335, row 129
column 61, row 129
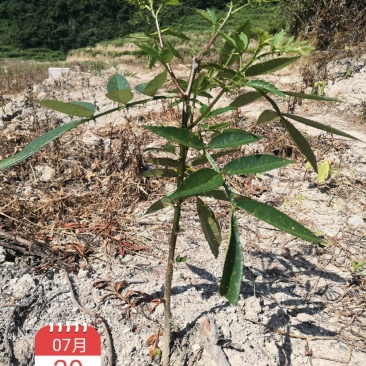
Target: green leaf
column 210, row 226
column 246, row 98
column 180, row 259
column 301, row 143
column 123, row 96
column 233, row 265
column 163, row 161
column 79, row 109
column 117, row 82
column 277, row 219
column 170, row 2
column 38, row 143
column 152, row 86
column 119, row 89
column 200, row 181
column 232, row 138
column 217, row 126
column 311, row 96
column 325, row 171
column 203, row 159
column 177, row 34
column 179, row 135
column 277, row 39
column 270, row 66
column 160, row 205
column 220, row 111
column 166, row 55
column 319, row 126
column 151, row 51
column 267, row 116
column 265, row 86
column 158, row 173
column 205, row 15
column 252, row 164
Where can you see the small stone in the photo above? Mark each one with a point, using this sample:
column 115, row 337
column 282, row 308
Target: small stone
column 355, row 221
column 83, row 273
column 45, row 173
column 90, row 139
column 22, row 286
column 305, row 318
column 195, row 347
column 2, row 255
column 252, row 308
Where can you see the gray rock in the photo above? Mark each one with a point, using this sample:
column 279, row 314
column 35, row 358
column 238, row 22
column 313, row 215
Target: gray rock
column 2, row 255
column 252, row 308
column 22, row 286
column 90, row 139
column 355, row 221
column 45, row 173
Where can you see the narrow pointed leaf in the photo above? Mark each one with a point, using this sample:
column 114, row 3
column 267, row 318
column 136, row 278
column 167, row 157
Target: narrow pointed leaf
column 204, row 14
column 319, row 126
column 276, row 40
column 153, row 86
column 200, row 181
column 267, row 116
column 276, row 218
column 160, row 205
column 162, row 161
column 247, row 98
column 232, row 138
column 158, row 173
column 301, row 143
column 79, row 109
column 254, row 164
column 233, row 265
column 270, row 66
column 177, row 34
column 210, row 227
column 217, row 126
column 38, row 143
column 151, row 51
column 265, row 86
column 311, row 96
column 179, row 135
column 220, row 111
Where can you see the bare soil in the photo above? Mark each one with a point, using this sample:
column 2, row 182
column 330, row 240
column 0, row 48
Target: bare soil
column 76, row 246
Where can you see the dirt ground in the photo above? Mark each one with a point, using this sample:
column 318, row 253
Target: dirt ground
column 76, row 246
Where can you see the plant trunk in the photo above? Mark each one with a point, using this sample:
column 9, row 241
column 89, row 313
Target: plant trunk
column 168, row 285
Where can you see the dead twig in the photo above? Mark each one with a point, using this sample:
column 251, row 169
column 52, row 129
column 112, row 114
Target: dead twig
column 93, row 315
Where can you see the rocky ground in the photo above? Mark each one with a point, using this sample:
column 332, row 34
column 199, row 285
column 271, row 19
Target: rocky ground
column 78, row 209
